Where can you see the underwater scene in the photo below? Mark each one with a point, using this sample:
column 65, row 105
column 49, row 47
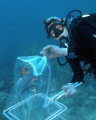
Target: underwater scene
column 30, row 84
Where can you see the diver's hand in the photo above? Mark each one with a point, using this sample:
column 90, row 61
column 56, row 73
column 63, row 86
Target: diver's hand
column 52, row 51
column 69, row 90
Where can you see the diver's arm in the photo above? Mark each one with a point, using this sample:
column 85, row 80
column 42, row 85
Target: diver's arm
column 78, row 74
column 52, row 51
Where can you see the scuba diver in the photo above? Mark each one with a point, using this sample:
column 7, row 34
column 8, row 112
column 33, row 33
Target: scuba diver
column 77, row 43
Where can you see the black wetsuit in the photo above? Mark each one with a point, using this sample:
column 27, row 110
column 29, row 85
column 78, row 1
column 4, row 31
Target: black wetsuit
column 85, row 47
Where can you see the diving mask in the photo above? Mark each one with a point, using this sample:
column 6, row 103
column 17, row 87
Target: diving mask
column 57, row 29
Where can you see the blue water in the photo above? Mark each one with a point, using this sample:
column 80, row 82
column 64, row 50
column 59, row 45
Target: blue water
column 21, row 26
column 21, row 21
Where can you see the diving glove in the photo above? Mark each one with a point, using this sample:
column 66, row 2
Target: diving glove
column 69, row 89
column 52, row 51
